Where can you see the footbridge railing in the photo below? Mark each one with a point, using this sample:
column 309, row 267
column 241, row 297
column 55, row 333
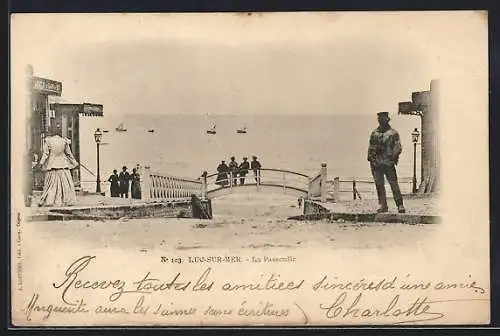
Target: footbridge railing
column 361, row 188
column 159, row 186
column 156, row 186
column 268, row 180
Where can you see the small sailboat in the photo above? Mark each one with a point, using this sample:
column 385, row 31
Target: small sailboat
column 120, row 128
column 242, row 130
column 212, row 130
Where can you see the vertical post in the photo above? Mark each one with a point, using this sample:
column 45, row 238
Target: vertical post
column 98, row 186
column 415, row 167
column 204, row 185
column 434, row 107
column 427, row 136
column 354, row 189
column 309, row 190
column 230, row 180
column 146, row 183
column 336, row 189
column 28, row 181
column 423, row 153
column 48, row 119
column 258, row 178
column 323, row 182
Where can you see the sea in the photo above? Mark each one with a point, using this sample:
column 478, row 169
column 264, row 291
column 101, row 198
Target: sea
column 179, row 144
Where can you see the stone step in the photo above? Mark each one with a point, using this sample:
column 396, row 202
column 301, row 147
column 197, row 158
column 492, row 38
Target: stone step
column 370, row 218
column 180, row 209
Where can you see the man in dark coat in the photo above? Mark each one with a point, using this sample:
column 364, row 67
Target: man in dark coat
column 383, row 155
column 124, row 182
column 243, row 170
column 255, row 166
column 233, row 169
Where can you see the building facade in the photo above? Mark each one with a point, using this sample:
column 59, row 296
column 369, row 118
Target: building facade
column 425, row 104
column 68, row 116
column 39, row 119
column 41, row 114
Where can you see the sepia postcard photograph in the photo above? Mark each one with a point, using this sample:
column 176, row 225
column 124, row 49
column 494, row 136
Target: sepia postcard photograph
column 249, row 169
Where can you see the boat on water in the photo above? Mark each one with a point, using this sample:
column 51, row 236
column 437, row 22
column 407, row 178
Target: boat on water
column 212, row 130
column 241, row 130
column 151, row 131
column 120, row 128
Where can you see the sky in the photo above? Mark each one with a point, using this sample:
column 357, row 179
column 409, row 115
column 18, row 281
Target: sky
column 273, row 63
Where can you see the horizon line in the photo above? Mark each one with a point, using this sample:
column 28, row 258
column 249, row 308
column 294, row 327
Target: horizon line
column 250, row 114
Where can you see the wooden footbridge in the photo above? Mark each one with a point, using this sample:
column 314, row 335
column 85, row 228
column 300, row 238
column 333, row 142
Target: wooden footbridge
column 195, row 195
column 159, row 187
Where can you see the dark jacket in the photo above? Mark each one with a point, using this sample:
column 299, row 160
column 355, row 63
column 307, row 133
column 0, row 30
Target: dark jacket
column 115, row 186
column 255, row 165
column 233, row 167
column 135, row 188
column 124, row 181
column 113, row 178
column 222, row 169
column 243, row 169
column 384, row 147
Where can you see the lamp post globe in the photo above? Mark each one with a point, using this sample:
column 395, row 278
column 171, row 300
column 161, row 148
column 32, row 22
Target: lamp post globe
column 414, row 138
column 98, row 135
column 415, row 135
column 98, row 139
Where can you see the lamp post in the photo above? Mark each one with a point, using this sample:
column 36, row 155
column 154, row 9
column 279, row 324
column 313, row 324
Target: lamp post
column 98, row 138
column 414, row 138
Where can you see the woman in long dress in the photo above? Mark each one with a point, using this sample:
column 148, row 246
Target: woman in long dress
column 115, row 184
column 222, row 171
column 136, row 184
column 57, row 161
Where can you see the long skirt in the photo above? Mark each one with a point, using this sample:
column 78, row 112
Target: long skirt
column 115, row 189
column 58, row 188
column 222, row 179
column 135, row 190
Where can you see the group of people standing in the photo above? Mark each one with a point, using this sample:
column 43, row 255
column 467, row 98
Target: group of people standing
column 230, row 173
column 123, row 182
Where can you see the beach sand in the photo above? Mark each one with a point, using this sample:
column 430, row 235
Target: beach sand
column 241, row 221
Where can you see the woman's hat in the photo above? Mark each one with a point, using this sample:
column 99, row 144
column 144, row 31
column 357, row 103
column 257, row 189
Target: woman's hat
column 124, row 167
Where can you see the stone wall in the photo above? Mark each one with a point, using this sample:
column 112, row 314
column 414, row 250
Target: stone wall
column 314, row 208
column 182, row 209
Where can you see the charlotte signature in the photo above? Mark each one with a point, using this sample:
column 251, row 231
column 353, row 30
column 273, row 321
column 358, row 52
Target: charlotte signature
column 419, row 310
